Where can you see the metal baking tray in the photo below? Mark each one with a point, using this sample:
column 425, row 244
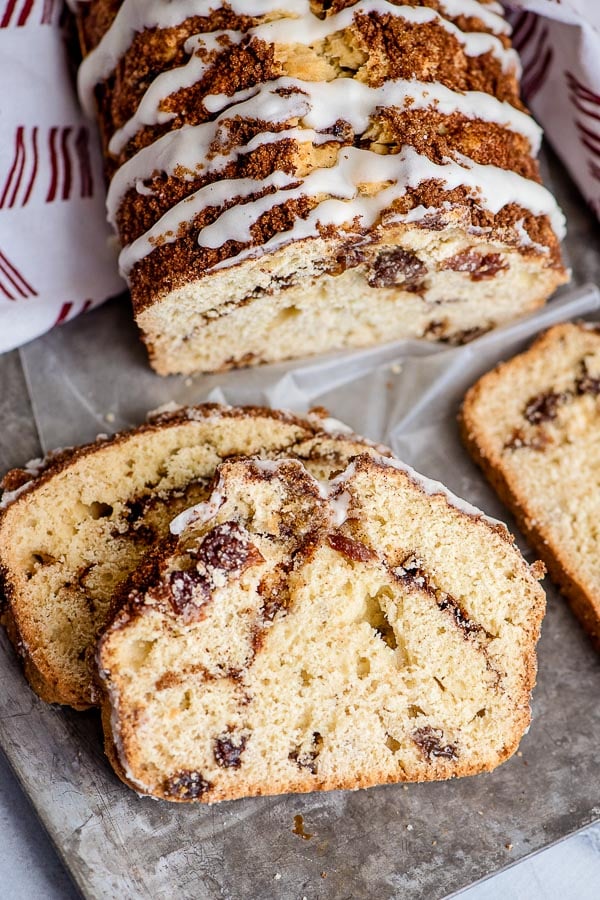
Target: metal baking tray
column 424, row 840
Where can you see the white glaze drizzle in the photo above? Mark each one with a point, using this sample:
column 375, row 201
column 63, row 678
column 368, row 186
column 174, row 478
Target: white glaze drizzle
column 359, row 100
column 491, row 14
column 169, row 407
column 526, row 240
column 186, row 148
column 199, row 513
column 271, row 466
column 492, row 187
column 338, row 500
column 331, row 425
column 433, row 488
column 427, row 485
column 148, row 111
column 299, row 26
column 137, row 15
column 309, row 29
column 203, row 512
column 34, row 468
column 335, row 491
column 340, row 504
column 216, row 102
column 317, row 105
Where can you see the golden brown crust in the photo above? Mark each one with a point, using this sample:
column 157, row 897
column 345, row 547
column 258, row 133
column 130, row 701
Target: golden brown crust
column 41, row 679
column 560, row 571
column 307, row 785
column 560, row 567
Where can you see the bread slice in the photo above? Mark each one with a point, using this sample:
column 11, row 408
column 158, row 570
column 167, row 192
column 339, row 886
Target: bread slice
column 296, row 635
column 533, row 425
column 80, row 523
column 311, row 175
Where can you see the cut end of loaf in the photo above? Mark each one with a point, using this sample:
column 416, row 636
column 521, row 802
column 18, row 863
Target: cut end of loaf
column 311, row 636
column 315, row 296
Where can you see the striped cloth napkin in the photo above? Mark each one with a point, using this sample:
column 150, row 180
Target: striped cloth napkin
column 57, row 257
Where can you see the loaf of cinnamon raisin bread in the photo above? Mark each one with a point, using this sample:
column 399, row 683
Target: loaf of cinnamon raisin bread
column 296, row 634
column 533, row 425
column 74, row 528
column 292, row 176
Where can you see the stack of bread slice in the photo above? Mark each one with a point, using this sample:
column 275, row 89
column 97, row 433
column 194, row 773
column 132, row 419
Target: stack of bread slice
column 298, row 612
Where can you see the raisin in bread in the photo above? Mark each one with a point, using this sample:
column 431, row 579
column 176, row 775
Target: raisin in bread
column 533, row 425
column 298, row 635
column 75, row 530
column 308, row 175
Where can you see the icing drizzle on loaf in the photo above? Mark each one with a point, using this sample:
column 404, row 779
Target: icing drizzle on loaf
column 297, row 24
column 304, row 112
column 317, row 105
column 493, row 188
column 334, row 491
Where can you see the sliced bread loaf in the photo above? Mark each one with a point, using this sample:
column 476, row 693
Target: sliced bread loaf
column 73, row 528
column 533, row 425
column 316, row 174
column 297, row 635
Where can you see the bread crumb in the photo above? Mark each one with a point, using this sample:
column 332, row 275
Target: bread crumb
column 277, row 876
column 396, row 368
column 409, row 828
column 508, row 846
column 323, row 874
column 110, row 417
column 188, row 382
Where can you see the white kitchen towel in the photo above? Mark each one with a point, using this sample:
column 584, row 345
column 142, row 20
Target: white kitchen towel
column 559, row 44
column 57, row 256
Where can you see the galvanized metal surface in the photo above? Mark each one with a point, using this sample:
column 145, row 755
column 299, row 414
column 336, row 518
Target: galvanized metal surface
column 393, row 841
